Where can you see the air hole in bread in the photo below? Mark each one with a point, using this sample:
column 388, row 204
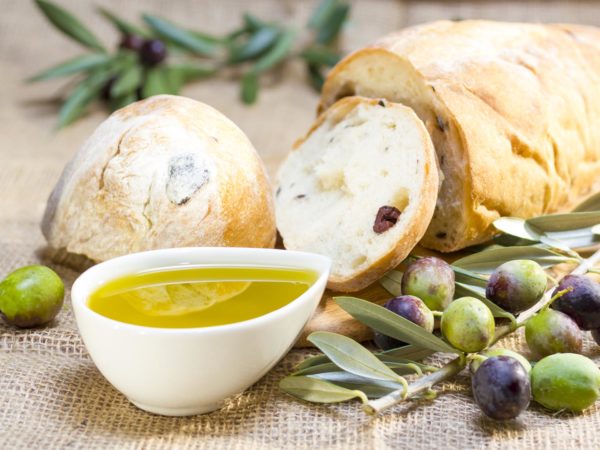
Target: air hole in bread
column 401, row 198
column 359, row 261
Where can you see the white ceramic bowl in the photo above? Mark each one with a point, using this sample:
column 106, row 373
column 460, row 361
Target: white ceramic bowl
column 185, row 371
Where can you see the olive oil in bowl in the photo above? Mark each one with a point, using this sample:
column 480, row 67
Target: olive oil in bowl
column 197, row 296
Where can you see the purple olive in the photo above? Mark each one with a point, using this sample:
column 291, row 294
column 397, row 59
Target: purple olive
column 432, row 280
column 550, row 332
column 132, row 42
column 153, row 52
column 582, row 303
column 516, row 285
column 411, row 308
column 501, row 387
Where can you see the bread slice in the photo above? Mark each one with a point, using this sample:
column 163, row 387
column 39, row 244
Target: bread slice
column 360, row 188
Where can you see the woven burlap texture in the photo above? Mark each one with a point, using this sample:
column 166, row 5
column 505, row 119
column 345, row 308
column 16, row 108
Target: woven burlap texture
column 52, row 396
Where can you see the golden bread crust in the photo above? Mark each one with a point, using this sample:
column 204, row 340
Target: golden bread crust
column 164, row 172
column 513, row 111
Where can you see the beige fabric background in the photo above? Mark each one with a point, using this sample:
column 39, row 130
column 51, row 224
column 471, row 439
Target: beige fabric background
column 51, row 395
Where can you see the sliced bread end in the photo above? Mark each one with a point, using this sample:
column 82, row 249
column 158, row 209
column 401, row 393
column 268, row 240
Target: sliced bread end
column 360, row 188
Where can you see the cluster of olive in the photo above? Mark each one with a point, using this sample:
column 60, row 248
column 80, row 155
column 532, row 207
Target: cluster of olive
column 504, row 381
column 31, row 296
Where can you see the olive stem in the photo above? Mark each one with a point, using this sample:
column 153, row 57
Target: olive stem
column 456, row 365
column 421, row 385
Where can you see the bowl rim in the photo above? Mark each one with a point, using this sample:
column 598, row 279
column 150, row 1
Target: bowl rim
column 79, row 300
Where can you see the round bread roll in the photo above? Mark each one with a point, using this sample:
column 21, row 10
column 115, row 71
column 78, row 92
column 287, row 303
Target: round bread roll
column 164, row 172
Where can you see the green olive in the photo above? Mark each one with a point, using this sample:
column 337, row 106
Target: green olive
column 565, row 381
column 468, row 324
column 31, row 296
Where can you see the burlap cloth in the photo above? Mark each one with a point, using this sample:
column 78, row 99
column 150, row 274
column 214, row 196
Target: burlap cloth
column 52, row 396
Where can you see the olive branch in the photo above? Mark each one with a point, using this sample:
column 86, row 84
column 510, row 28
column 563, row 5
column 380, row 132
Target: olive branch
column 344, row 371
column 160, row 57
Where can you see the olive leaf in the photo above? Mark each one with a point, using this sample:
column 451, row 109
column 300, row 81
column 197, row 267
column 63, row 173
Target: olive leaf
column 81, row 97
column 572, row 230
column 122, row 25
column 258, row 43
column 250, row 88
column 318, row 391
column 468, row 277
column 565, row 222
column 408, row 353
column 217, row 40
column 398, row 363
column 465, row 290
column 72, row 66
column 69, row 25
column 352, row 357
column 320, row 56
column 487, row 261
column 392, row 282
column 395, row 275
column 400, row 366
column 180, row 36
column 312, row 361
column 371, row 388
column 230, row 38
column 330, row 30
column 277, row 53
column 391, row 324
column 590, row 204
column 317, row 368
column 158, row 82
column 517, row 227
column 315, row 76
column 127, row 82
column 179, row 74
column 252, row 22
column 322, row 14
column 120, row 102
column 393, row 287
column 567, row 240
column 560, row 231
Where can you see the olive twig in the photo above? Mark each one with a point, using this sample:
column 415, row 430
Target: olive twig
column 423, row 384
column 559, row 294
column 477, row 357
column 455, row 366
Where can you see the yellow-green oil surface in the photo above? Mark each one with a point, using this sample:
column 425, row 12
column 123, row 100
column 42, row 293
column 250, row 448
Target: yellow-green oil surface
column 199, row 296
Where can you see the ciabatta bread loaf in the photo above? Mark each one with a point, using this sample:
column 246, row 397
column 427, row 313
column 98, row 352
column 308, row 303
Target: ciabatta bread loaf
column 513, row 111
column 359, row 188
column 164, row 172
